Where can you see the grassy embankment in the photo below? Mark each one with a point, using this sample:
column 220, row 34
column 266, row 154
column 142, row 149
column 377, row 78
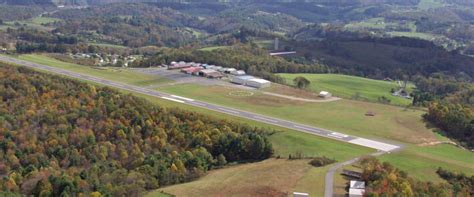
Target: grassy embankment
column 346, row 86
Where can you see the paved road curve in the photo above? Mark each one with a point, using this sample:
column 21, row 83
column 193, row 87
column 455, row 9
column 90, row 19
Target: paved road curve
column 382, row 147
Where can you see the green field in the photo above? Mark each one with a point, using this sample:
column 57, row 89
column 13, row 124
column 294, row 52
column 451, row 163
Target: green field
column 213, row 48
column 36, row 23
column 347, row 116
column 44, row 20
column 420, row 35
column 115, row 74
column 107, row 45
column 347, row 86
column 429, row 4
column 373, row 23
column 391, row 122
column 422, row 162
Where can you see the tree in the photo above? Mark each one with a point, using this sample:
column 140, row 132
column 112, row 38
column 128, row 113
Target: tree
column 301, row 82
column 221, row 160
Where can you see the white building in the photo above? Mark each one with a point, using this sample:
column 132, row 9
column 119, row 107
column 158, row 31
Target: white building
column 258, row 83
column 237, row 72
column 230, row 70
column 241, row 80
column 357, row 188
column 356, row 192
column 325, row 94
column 357, row 184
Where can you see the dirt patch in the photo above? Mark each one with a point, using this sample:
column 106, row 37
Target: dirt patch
column 267, row 191
column 294, row 98
column 241, row 93
column 265, row 100
column 290, row 91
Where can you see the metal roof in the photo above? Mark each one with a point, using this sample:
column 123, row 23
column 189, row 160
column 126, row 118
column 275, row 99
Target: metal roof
column 259, row 80
column 245, row 77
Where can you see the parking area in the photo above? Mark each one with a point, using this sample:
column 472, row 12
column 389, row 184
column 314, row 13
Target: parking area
column 182, row 78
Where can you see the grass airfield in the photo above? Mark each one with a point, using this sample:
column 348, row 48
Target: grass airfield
column 391, row 122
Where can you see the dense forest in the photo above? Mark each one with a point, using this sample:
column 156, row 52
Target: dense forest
column 60, row 137
column 450, row 103
column 384, row 57
column 8, row 13
column 383, row 179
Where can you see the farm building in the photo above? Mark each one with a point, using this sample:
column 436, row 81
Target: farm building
column 191, row 70
column 241, row 80
column 250, row 81
column 325, row 94
column 215, row 75
column 258, row 83
column 179, row 65
column 238, row 72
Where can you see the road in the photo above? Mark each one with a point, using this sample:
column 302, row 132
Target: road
column 382, row 147
column 329, row 178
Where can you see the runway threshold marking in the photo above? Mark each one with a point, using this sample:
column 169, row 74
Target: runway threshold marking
column 182, row 98
column 172, row 99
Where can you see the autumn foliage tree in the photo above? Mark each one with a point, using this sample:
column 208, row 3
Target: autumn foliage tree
column 383, row 179
column 60, row 137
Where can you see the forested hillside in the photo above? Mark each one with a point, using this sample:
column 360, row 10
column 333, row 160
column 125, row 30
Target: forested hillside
column 60, row 137
column 385, row 57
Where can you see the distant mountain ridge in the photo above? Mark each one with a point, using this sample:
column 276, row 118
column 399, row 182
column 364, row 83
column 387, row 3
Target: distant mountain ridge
column 26, row 2
column 101, row 2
